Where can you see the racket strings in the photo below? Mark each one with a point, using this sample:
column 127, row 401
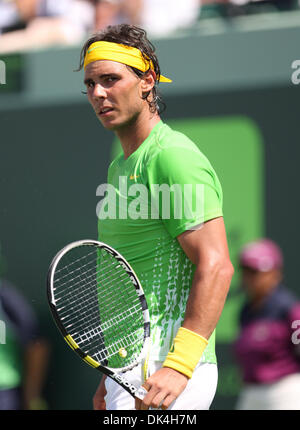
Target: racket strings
column 115, row 347
column 93, row 271
column 86, row 305
column 76, row 264
column 89, row 280
column 69, row 291
column 121, row 317
column 99, row 306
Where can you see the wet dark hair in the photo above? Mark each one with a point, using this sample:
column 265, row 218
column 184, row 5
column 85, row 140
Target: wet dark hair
column 136, row 37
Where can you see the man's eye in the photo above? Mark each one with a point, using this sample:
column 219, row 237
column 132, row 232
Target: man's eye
column 89, row 84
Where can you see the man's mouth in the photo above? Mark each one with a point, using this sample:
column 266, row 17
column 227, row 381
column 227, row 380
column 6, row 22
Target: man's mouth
column 105, row 111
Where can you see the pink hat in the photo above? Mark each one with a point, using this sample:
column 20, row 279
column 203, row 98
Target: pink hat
column 262, row 255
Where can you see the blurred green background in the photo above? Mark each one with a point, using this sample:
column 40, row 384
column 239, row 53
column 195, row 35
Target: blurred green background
column 232, row 94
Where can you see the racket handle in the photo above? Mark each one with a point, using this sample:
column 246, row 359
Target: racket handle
column 141, row 392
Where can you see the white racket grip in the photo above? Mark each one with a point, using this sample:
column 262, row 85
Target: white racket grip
column 141, row 392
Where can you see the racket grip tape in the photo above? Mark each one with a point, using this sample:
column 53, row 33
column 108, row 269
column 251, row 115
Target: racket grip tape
column 141, row 392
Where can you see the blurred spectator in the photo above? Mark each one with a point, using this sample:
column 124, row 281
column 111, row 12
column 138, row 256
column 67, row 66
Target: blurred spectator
column 280, row 4
column 110, row 12
column 233, row 8
column 267, row 348
column 161, row 18
column 245, row 7
column 23, row 353
column 158, row 18
column 31, row 24
column 27, row 24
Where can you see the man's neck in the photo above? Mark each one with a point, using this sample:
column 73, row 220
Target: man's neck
column 134, row 134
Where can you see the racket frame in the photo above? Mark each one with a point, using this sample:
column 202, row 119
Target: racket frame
column 114, row 373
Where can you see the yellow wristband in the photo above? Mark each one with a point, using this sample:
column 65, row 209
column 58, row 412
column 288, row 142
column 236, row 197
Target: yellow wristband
column 186, row 351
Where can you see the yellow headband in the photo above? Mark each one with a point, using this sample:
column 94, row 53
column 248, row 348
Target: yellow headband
column 120, row 53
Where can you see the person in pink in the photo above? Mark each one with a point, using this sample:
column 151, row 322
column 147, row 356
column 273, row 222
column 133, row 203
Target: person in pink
column 267, row 348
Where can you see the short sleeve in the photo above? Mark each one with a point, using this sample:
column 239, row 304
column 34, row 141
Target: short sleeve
column 185, row 190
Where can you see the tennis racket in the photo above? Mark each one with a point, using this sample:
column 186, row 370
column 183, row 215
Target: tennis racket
column 100, row 309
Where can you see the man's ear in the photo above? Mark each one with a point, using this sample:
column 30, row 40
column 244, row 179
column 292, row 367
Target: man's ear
column 148, row 82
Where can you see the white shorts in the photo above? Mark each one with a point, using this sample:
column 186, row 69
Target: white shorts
column 198, row 394
column 281, row 395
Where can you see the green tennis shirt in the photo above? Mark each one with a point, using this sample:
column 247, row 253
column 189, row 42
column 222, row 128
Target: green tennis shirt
column 165, row 187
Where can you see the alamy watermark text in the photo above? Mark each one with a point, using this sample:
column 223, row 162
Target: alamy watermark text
column 137, row 201
column 2, row 333
column 2, row 72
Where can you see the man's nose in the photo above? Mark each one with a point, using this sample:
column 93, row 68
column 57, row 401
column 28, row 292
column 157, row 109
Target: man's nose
column 99, row 91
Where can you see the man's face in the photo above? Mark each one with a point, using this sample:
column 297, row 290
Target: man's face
column 259, row 284
column 114, row 92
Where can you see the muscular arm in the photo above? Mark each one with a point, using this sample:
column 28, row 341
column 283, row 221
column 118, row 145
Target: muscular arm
column 207, row 249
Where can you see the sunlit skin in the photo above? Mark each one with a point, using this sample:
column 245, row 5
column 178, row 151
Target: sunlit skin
column 113, row 86
column 258, row 285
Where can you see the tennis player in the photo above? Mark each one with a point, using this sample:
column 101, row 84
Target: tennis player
column 181, row 258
